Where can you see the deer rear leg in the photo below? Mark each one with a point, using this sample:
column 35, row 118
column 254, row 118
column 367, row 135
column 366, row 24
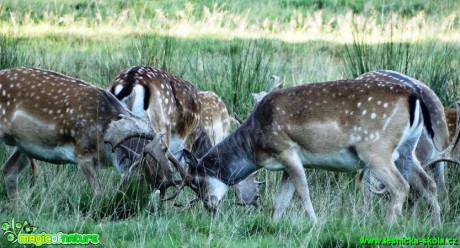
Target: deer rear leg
column 439, row 178
column 385, row 170
column 11, row 170
column 426, row 187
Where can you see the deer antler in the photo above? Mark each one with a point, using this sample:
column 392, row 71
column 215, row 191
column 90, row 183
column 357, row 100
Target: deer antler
column 446, row 154
column 276, row 82
column 130, row 126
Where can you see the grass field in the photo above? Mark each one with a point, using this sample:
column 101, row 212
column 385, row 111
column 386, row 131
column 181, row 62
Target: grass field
column 231, row 48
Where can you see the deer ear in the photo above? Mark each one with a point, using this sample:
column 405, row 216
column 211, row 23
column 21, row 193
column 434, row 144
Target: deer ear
column 190, row 158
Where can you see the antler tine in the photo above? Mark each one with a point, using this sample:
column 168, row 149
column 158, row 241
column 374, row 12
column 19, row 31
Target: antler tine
column 276, row 82
column 446, row 155
column 184, row 175
column 165, row 185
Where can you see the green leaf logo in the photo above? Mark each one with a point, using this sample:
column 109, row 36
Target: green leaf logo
column 12, row 230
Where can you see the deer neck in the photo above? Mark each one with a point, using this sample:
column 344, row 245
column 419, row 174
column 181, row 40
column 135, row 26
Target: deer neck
column 233, row 159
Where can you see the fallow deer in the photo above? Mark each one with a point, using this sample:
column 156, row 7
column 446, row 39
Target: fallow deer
column 58, row 119
column 341, row 126
column 171, row 102
column 174, row 107
column 433, row 139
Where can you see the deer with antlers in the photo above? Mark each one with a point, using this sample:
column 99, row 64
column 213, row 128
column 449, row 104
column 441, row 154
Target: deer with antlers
column 343, row 126
column 58, row 119
column 196, row 120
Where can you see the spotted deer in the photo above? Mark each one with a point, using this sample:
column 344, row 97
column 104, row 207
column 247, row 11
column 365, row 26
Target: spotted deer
column 175, row 108
column 170, row 102
column 344, row 125
column 433, row 139
column 58, row 119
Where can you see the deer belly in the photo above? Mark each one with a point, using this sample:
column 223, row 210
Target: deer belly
column 345, row 160
column 58, row 155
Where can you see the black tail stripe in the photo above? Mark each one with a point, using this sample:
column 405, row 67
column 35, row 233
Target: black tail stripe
column 425, row 113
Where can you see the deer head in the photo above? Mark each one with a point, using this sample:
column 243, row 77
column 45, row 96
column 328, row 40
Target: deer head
column 55, row 118
column 341, row 126
column 214, row 127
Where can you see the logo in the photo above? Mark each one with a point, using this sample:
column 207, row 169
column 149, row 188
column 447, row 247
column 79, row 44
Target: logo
column 24, row 234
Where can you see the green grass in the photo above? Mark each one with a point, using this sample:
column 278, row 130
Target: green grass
column 94, row 40
column 432, row 62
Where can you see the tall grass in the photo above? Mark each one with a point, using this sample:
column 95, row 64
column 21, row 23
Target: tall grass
column 9, row 54
column 431, row 62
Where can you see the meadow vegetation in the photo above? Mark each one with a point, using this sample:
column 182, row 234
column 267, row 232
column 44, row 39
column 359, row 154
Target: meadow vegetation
column 231, row 48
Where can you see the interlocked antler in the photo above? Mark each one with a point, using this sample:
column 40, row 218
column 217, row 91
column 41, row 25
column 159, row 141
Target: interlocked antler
column 131, row 126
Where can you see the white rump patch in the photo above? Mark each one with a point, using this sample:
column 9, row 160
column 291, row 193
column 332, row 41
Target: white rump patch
column 138, row 101
column 118, row 89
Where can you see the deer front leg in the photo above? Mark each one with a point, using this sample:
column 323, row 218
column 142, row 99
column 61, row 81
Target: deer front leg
column 88, row 165
column 367, row 192
column 294, row 168
column 11, row 170
column 284, row 196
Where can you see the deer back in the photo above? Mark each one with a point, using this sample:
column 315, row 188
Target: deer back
column 438, row 129
column 42, row 111
column 171, row 102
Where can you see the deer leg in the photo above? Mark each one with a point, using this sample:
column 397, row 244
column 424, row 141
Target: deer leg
column 439, row 178
column 294, row 168
column 368, row 195
column 385, row 170
column 426, row 187
column 11, row 170
column 88, row 166
column 284, row 196
column 34, row 166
